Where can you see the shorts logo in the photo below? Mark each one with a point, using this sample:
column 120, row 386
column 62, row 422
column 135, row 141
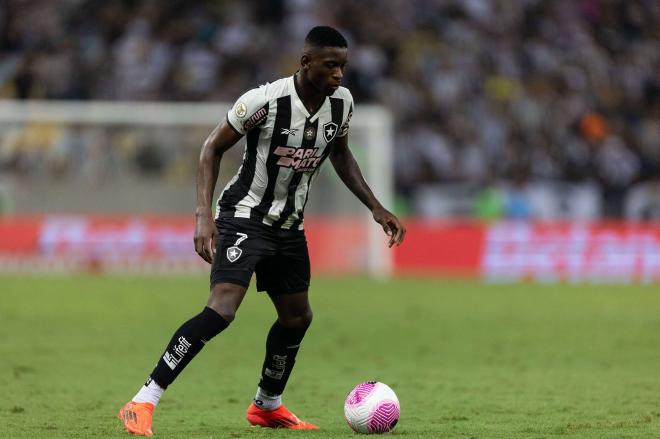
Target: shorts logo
column 329, row 131
column 234, row 252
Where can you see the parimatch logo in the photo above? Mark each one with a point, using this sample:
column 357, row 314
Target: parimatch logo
column 300, row 159
column 177, row 353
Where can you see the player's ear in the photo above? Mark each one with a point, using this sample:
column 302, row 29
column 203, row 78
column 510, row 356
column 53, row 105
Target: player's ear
column 305, row 61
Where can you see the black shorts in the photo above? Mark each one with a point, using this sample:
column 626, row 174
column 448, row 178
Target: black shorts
column 279, row 257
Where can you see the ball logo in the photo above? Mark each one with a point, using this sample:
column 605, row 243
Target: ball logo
column 240, row 110
column 234, row 252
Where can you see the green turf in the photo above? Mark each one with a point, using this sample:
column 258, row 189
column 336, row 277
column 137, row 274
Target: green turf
column 466, row 359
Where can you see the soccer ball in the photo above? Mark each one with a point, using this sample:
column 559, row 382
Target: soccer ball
column 372, row 407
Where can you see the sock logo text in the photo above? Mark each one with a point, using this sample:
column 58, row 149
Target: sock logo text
column 178, row 352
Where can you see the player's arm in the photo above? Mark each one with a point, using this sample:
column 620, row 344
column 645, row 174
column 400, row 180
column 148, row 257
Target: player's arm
column 223, row 137
column 348, row 170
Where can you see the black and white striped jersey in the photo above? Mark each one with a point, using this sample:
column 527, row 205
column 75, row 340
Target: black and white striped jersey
column 285, row 147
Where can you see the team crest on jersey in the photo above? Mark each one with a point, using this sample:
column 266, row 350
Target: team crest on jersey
column 310, row 133
column 329, row 131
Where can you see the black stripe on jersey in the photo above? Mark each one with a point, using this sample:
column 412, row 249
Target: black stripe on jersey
column 301, row 214
column 290, row 204
column 337, row 114
column 241, row 186
column 282, row 120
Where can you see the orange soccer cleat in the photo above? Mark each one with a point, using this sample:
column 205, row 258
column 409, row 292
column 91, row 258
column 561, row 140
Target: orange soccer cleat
column 281, row 417
column 136, row 417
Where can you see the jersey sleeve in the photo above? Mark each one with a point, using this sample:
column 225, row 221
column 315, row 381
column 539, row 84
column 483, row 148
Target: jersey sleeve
column 249, row 111
column 343, row 131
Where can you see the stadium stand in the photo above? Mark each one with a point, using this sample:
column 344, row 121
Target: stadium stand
column 498, row 104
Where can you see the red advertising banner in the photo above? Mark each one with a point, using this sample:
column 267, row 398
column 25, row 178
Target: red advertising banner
column 19, row 235
column 110, row 238
column 151, row 243
column 441, row 247
column 501, row 251
column 597, row 252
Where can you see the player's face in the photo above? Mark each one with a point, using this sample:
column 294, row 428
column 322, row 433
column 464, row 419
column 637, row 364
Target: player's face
column 325, row 68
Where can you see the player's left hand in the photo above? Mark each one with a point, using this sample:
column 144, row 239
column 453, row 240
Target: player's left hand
column 391, row 225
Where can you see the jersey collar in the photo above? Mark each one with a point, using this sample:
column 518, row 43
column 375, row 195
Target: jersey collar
column 299, row 103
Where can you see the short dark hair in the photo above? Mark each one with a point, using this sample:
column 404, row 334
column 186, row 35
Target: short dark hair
column 325, row 36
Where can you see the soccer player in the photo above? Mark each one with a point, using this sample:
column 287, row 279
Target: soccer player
column 291, row 126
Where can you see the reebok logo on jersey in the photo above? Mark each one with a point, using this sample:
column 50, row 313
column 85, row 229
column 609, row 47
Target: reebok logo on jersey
column 289, row 131
column 300, row 159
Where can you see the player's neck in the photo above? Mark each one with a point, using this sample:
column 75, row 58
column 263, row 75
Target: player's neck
column 311, row 98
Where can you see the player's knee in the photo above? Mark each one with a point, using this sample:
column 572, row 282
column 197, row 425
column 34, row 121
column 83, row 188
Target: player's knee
column 227, row 314
column 300, row 320
column 225, row 309
column 306, row 319
column 225, row 300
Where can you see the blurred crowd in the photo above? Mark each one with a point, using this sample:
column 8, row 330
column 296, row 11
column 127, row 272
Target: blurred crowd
column 484, row 92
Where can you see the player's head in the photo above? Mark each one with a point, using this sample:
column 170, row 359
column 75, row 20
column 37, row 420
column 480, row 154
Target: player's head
column 324, row 59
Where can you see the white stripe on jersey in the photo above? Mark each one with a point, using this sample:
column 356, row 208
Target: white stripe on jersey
column 284, row 176
column 260, row 180
column 301, row 194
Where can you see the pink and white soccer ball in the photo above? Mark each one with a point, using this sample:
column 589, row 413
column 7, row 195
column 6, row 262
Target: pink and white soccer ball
column 372, row 407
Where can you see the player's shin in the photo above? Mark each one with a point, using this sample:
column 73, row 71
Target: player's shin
column 282, row 346
column 187, row 341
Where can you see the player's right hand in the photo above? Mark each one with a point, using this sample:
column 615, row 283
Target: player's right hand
column 205, row 238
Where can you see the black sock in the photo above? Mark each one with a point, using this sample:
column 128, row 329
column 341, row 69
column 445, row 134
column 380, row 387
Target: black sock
column 282, row 346
column 187, row 341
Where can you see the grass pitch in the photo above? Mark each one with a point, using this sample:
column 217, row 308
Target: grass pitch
column 466, row 359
